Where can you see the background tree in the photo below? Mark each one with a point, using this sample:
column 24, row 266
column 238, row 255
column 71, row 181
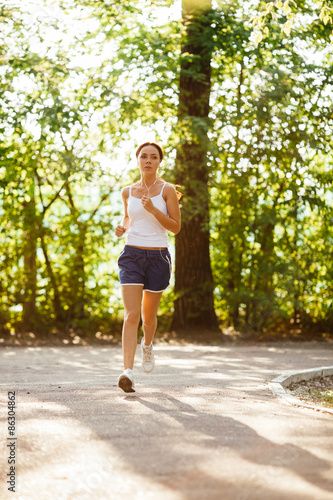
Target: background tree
column 194, row 300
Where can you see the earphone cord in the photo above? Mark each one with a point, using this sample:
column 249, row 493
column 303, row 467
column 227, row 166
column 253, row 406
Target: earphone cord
column 148, row 188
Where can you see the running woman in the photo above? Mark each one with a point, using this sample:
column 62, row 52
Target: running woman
column 151, row 209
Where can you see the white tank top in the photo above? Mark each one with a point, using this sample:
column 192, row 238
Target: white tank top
column 144, row 229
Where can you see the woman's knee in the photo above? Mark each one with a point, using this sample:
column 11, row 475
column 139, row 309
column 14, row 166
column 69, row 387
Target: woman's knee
column 132, row 317
column 149, row 321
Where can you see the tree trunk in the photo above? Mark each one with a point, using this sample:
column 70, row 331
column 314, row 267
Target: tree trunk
column 58, row 310
column 78, row 288
column 263, row 301
column 262, row 304
column 194, row 302
column 233, row 282
column 29, row 261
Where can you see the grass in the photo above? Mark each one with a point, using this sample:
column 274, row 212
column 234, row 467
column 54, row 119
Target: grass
column 324, row 397
column 317, row 391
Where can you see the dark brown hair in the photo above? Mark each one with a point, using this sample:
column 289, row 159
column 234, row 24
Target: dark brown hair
column 159, row 149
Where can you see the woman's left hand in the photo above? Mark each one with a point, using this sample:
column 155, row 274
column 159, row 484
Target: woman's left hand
column 147, row 203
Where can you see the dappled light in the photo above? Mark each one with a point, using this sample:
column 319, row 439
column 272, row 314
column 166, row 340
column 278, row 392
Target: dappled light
column 200, row 425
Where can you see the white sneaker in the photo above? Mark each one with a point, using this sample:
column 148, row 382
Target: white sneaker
column 148, row 361
column 126, row 381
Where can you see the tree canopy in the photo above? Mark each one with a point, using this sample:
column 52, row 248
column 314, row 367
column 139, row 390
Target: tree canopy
column 247, row 132
column 289, row 14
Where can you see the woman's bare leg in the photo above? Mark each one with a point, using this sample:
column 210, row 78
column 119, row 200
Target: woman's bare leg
column 150, row 304
column 132, row 296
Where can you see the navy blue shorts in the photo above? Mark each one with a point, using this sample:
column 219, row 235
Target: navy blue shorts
column 150, row 268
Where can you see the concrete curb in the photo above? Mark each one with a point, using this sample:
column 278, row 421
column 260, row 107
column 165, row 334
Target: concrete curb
column 279, row 383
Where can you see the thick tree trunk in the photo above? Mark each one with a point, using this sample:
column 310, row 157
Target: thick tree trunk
column 194, row 302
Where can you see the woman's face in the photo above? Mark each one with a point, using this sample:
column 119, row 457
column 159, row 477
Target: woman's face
column 149, row 160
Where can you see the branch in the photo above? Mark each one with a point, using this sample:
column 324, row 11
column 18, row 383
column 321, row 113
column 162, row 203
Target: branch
column 100, row 203
column 40, row 190
column 55, row 197
column 73, row 208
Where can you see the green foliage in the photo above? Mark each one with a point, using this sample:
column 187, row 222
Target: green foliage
column 272, row 190
column 56, row 197
column 67, row 107
column 288, row 14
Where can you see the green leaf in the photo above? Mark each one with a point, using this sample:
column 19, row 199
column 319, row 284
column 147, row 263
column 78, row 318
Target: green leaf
column 287, row 27
column 327, row 19
column 257, row 38
column 286, row 8
column 269, row 7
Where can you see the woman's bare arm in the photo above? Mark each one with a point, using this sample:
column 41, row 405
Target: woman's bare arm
column 172, row 221
column 122, row 228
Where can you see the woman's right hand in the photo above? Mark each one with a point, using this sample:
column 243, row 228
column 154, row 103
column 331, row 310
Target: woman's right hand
column 120, row 231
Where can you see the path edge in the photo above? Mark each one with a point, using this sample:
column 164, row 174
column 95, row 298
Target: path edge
column 279, row 383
